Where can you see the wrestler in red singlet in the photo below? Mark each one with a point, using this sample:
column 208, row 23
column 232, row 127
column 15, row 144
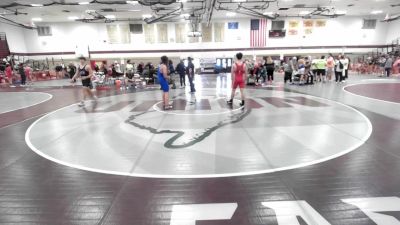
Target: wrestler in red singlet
column 238, row 77
column 239, row 71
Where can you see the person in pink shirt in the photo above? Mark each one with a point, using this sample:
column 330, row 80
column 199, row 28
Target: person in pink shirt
column 29, row 74
column 330, row 65
column 396, row 66
column 9, row 74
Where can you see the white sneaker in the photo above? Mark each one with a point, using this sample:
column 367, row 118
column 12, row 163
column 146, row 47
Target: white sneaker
column 81, row 104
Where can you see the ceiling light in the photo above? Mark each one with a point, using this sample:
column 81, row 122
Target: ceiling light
column 240, row 0
column 84, row 3
column 377, row 12
column 185, row 15
column 132, row 2
column 181, row 1
column 73, row 18
column 147, row 16
column 304, row 12
column 268, row 13
column 230, row 14
column 134, row 10
column 37, row 19
column 37, row 5
column 110, row 16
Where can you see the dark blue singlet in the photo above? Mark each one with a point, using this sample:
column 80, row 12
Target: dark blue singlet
column 84, row 73
column 163, row 82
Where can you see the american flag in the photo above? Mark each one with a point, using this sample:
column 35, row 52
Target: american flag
column 258, row 32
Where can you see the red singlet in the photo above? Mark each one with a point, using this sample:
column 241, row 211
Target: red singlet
column 239, row 71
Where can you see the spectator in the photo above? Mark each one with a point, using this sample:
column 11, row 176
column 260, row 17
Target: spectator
column 288, row 69
column 29, row 74
column 71, row 70
column 346, row 64
column 270, row 67
column 320, row 65
column 59, row 74
column 180, row 69
column 190, row 74
column 117, row 69
column 396, row 66
column 339, row 67
column 388, row 65
column 140, row 68
column 9, row 74
column 307, row 70
column 301, row 71
column 330, row 67
column 171, row 68
column 21, row 71
column 382, row 63
column 129, row 69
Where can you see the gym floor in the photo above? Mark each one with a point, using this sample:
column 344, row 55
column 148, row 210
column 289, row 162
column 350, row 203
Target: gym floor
column 322, row 154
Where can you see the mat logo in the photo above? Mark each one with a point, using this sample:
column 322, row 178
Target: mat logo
column 205, row 104
column 288, row 212
column 226, row 114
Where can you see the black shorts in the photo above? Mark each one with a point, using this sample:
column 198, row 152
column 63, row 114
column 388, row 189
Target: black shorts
column 87, row 83
column 288, row 75
column 129, row 75
column 321, row 72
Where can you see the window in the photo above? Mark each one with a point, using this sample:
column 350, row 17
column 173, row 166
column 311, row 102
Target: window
column 44, row 31
column 206, row 32
column 278, row 25
column 162, row 33
column 369, row 24
column 219, row 32
column 180, row 33
column 118, row 34
column 149, row 34
column 136, row 28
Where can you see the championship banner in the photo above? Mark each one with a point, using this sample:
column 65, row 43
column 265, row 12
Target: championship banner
column 320, row 23
column 308, row 23
column 293, row 24
column 308, row 31
column 293, row 32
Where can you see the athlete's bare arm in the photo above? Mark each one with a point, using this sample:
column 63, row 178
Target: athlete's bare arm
column 89, row 69
column 164, row 71
column 245, row 71
column 233, row 72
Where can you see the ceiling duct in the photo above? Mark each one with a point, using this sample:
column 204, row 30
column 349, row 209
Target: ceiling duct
column 16, row 24
column 389, row 18
column 96, row 17
column 299, row 6
column 100, row 2
column 165, row 17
